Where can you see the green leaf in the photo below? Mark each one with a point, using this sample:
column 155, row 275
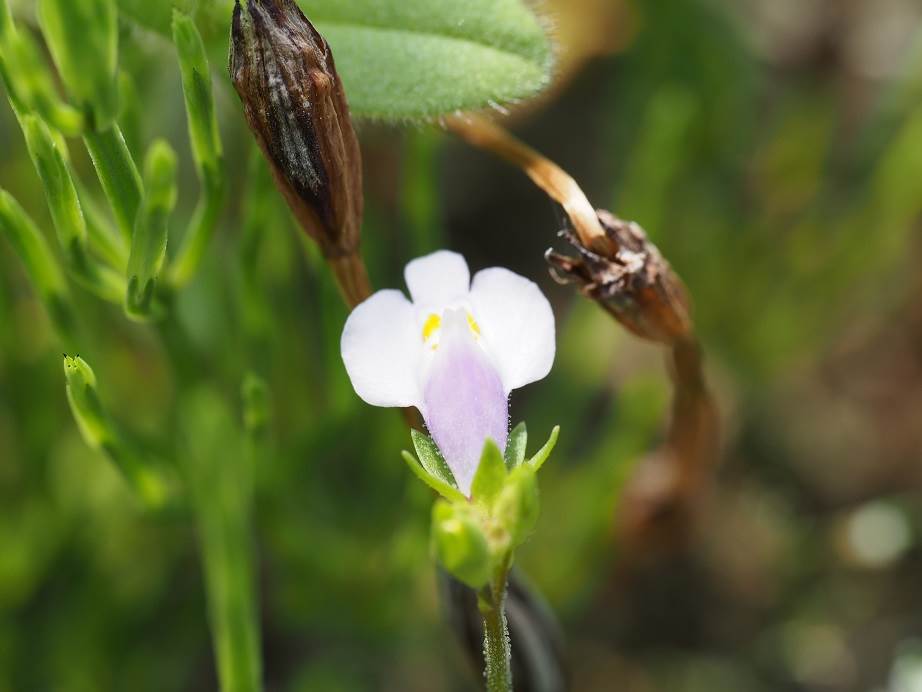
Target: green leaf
column 431, row 458
column 27, row 79
column 447, row 491
column 515, row 446
column 148, row 247
column 490, row 476
column 537, row 461
column 429, row 57
column 206, row 146
column 99, row 432
column 40, row 263
column 460, row 545
column 118, row 175
column 82, row 36
column 196, row 84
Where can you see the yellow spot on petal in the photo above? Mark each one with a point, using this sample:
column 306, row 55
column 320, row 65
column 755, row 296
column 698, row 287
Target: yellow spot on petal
column 472, row 323
column 433, row 322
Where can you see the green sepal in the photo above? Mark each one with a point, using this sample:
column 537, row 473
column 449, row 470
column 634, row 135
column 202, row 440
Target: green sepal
column 517, row 506
column 82, row 36
column 431, row 458
column 515, row 446
column 447, row 491
column 490, row 476
column 148, row 246
column 459, row 543
column 537, row 461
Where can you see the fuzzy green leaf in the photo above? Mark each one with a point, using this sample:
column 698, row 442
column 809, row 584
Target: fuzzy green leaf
column 429, row 57
column 515, row 446
column 537, row 461
column 431, row 458
column 490, row 476
column 437, row 484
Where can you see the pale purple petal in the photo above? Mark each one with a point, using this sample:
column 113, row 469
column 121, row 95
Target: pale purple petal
column 464, row 399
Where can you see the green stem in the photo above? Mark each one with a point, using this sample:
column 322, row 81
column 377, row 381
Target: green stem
column 497, row 650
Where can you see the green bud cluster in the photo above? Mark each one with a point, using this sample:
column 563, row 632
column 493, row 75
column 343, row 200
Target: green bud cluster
column 475, row 537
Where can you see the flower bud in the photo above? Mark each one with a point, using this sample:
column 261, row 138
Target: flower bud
column 630, row 279
column 295, row 105
column 459, row 543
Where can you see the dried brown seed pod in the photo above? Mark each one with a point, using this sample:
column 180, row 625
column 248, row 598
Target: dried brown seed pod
column 295, row 105
column 630, row 279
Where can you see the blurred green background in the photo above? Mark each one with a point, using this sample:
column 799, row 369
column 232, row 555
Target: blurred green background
column 771, row 148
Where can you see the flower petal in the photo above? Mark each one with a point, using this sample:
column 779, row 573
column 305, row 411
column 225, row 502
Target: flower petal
column 517, row 324
column 437, row 279
column 380, row 348
column 464, row 400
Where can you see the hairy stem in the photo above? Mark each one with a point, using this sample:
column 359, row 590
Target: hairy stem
column 497, row 649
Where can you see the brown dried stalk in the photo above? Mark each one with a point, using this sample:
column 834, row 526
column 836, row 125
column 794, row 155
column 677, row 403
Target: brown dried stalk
column 617, row 266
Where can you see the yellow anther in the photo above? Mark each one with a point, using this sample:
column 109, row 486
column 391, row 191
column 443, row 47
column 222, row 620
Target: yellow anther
column 472, row 323
column 432, row 323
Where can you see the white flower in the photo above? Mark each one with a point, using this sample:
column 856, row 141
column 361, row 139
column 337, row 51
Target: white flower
column 454, row 352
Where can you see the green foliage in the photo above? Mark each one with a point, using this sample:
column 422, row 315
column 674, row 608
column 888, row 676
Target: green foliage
column 83, row 38
column 118, row 174
column 537, row 461
column 430, row 58
column 148, row 245
column 100, row 432
column 27, row 79
column 44, row 271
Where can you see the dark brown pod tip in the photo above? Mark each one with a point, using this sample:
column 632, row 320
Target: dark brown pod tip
column 295, row 105
column 631, row 280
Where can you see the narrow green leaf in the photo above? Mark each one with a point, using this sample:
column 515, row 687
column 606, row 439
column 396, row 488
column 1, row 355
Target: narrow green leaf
column 206, row 147
column 490, row 476
column 82, row 36
column 537, row 461
column 196, row 84
column 27, row 79
column 40, row 263
column 431, row 458
column 515, row 446
column 437, row 484
column 148, row 246
column 118, row 174
column 60, row 192
column 48, row 152
column 99, row 432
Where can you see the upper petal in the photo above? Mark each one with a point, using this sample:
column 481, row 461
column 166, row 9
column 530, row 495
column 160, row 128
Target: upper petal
column 380, row 349
column 437, row 279
column 517, row 324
